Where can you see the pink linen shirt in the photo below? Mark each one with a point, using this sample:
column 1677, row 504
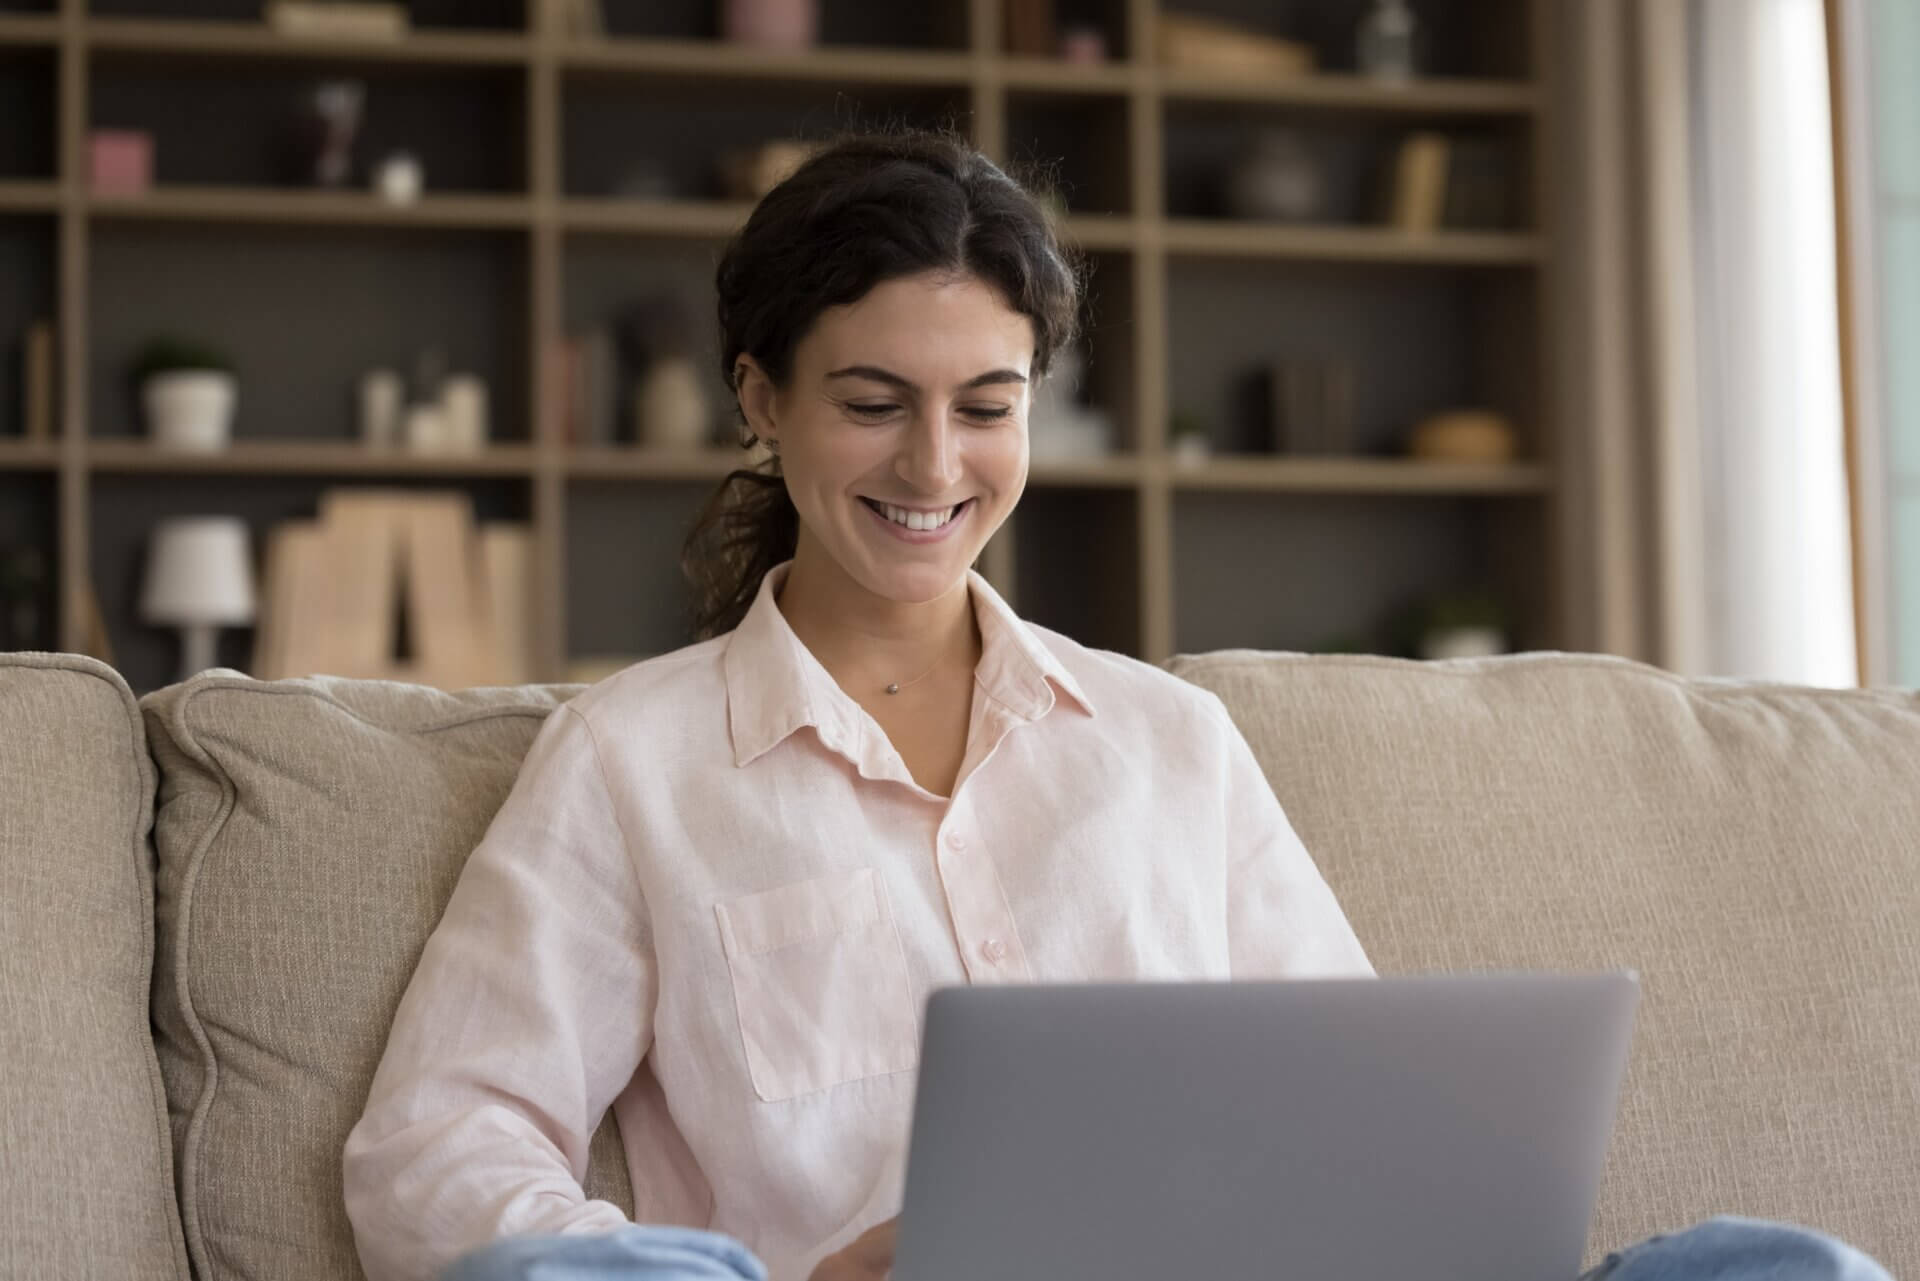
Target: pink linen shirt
column 715, row 901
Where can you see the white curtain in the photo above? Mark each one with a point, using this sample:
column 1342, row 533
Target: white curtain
column 1773, row 509
column 1700, row 390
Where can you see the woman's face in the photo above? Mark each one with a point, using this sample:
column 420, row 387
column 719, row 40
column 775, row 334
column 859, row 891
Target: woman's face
column 903, row 431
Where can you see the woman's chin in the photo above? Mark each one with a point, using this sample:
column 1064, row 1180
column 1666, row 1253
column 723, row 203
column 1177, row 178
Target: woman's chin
column 915, row 584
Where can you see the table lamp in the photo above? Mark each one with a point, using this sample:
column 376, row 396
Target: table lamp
column 199, row 579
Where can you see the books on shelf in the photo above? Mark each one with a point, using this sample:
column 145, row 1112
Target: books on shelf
column 1450, row 182
column 586, row 377
column 36, row 374
column 1420, row 182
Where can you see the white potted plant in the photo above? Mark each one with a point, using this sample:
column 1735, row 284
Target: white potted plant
column 188, row 391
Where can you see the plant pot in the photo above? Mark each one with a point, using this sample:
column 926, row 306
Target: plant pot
column 191, row 410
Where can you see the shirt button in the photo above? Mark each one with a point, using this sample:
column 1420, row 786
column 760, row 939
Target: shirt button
column 955, row 841
column 994, row 950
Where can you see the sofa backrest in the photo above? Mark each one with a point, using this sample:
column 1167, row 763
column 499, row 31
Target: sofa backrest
column 1753, row 851
column 309, row 833
column 86, row 1182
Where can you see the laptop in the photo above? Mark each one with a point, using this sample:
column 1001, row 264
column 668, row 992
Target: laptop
column 1449, row 1128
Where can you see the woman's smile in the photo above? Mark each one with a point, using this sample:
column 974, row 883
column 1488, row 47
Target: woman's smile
column 918, row 524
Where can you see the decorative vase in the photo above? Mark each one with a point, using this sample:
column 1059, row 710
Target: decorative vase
column 670, row 406
column 771, row 24
column 1278, row 179
column 191, row 410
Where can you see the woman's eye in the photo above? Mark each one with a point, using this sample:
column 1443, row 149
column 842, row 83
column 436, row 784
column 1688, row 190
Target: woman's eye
column 990, row 414
column 871, row 411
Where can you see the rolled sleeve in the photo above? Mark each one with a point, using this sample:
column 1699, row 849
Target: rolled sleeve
column 530, row 1010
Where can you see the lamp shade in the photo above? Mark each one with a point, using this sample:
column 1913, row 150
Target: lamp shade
column 199, row 571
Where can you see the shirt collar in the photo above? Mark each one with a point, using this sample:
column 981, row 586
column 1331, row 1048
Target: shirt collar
column 776, row 686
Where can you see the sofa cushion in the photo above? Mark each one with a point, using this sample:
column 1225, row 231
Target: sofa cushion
column 1753, row 851
column 86, row 1184
column 309, row 833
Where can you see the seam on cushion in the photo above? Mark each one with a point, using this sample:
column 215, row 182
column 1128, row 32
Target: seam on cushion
column 249, row 685
column 193, row 1155
column 146, row 777
column 1231, row 661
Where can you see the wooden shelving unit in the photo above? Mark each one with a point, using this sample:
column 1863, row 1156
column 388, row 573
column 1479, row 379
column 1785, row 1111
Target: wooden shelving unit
column 529, row 230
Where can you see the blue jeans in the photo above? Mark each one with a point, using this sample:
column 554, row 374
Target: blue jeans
column 1722, row 1249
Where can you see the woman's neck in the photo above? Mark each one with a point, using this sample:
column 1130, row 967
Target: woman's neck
column 867, row 642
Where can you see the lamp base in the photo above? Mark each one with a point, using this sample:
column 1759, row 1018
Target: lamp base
column 197, row 645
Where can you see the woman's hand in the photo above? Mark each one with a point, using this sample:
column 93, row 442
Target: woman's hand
column 869, row 1258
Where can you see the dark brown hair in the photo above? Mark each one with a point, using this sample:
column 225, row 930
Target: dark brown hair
column 866, row 209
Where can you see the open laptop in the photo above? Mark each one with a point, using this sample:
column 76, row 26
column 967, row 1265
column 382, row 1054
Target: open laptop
column 1448, row 1129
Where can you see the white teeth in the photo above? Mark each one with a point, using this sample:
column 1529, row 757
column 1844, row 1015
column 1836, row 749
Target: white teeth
column 917, row 520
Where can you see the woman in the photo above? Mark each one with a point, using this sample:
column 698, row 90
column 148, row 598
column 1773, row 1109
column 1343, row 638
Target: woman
column 742, row 866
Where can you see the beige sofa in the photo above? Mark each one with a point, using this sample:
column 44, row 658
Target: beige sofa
column 213, row 898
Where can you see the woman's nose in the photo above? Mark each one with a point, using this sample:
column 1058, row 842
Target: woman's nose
column 930, row 458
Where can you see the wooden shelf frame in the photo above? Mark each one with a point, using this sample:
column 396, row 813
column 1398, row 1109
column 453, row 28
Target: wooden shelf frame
column 547, row 220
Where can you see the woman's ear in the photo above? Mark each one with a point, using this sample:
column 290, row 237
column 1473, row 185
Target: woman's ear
column 755, row 392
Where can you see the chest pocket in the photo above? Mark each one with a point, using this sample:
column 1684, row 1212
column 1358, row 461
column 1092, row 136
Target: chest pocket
column 819, row 983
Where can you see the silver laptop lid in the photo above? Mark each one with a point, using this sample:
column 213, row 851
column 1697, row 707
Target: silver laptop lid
column 1444, row 1128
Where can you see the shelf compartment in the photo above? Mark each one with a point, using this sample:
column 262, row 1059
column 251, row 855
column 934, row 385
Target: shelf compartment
column 1411, row 343
column 29, row 527
column 125, row 509
column 29, row 97
column 1325, row 572
column 425, row 16
column 270, row 458
column 28, row 290
column 626, row 595
column 1352, row 160
column 1060, row 582
column 1079, row 144
column 1457, row 39
column 1108, row 380
column 937, row 24
column 246, row 123
column 304, row 315
column 602, row 281
column 664, row 137
column 200, row 38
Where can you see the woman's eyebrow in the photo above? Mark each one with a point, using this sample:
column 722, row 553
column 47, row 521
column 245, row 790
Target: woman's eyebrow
column 876, row 374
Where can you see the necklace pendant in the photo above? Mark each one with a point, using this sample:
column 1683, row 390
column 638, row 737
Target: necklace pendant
column 893, row 689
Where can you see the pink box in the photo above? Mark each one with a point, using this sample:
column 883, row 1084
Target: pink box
column 120, row 161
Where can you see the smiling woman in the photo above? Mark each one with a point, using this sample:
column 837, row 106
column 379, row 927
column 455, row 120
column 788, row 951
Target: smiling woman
column 727, row 879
